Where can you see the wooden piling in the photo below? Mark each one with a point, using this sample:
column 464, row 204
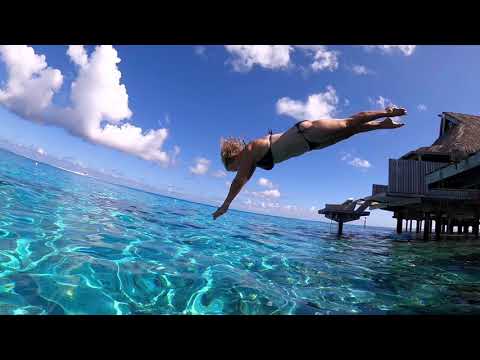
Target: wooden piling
column 476, row 226
column 399, row 224
column 438, row 226
column 426, row 227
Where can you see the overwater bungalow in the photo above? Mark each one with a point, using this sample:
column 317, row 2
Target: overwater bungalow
column 436, row 185
column 439, row 184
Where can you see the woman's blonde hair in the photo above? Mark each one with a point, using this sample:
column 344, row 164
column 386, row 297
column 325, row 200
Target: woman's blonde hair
column 229, row 148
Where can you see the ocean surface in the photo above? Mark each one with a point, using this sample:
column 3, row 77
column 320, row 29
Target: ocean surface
column 70, row 244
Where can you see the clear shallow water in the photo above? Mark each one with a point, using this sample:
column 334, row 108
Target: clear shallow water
column 74, row 245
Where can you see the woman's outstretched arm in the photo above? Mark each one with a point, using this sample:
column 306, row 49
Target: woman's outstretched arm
column 245, row 172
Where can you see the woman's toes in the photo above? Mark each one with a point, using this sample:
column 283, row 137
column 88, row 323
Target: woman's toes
column 388, row 123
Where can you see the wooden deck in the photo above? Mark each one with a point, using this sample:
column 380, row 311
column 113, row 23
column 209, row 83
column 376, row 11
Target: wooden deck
column 409, row 196
column 346, row 212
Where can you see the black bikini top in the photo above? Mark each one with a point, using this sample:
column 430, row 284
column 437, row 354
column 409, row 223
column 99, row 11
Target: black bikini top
column 266, row 162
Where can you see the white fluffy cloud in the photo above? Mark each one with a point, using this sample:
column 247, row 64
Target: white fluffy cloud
column 31, row 84
column 381, row 101
column 324, row 59
column 267, row 56
column 317, row 106
column 274, row 193
column 273, row 205
column 406, row 50
column 41, row 152
column 201, row 166
column 99, row 102
column 422, row 107
column 356, row 161
column 277, row 57
column 78, row 54
column 360, row 163
column 265, row 182
column 360, row 70
column 263, row 204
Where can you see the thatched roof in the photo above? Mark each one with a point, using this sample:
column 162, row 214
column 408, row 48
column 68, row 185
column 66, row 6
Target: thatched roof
column 459, row 141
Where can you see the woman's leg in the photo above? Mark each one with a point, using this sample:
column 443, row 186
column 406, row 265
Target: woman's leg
column 331, row 131
column 367, row 116
column 318, row 127
column 370, row 126
column 378, row 125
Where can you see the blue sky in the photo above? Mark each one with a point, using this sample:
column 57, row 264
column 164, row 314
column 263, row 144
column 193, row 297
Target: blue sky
column 200, row 93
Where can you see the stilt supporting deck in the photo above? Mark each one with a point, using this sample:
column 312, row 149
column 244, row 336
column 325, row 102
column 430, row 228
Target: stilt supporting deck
column 340, row 228
column 417, row 228
column 426, row 227
column 438, row 226
column 475, row 226
column 399, row 225
column 450, row 226
column 345, row 212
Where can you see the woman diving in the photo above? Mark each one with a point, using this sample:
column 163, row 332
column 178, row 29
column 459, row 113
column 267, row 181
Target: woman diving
column 304, row 136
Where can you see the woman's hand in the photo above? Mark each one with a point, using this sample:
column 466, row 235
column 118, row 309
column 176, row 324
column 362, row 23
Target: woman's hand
column 220, row 211
column 244, row 173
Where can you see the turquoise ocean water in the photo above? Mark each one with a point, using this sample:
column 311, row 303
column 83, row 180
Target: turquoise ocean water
column 70, row 244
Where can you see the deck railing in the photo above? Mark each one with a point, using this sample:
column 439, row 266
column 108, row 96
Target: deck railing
column 454, row 194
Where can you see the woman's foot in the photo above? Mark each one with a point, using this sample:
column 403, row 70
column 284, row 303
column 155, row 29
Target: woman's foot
column 394, row 111
column 390, row 124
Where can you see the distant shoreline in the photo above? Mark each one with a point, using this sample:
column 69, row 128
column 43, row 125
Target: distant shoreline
column 71, row 171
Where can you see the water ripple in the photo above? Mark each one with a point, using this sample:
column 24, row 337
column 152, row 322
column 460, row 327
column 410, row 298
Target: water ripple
column 74, row 245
